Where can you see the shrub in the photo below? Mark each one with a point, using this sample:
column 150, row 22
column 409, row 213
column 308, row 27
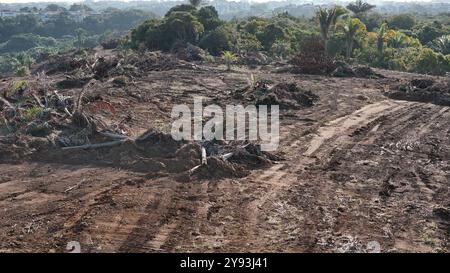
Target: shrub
column 22, row 71
column 16, row 88
column 228, row 57
column 31, row 113
column 402, row 21
column 431, row 62
column 217, row 41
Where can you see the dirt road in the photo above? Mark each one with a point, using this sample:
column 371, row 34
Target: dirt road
column 376, row 169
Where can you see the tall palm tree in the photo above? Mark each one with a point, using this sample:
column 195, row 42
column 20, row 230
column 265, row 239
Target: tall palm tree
column 195, row 3
column 359, row 7
column 351, row 27
column 381, row 35
column 327, row 18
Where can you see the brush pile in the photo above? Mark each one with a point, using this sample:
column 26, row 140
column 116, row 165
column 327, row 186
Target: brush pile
column 39, row 111
column 286, row 95
column 312, row 59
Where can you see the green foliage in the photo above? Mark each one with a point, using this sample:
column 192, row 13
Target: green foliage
column 397, row 39
column 162, row 34
column 441, row 44
column 182, row 26
column 351, row 27
column 79, row 7
column 270, row 34
column 395, row 42
column 54, row 8
column 381, row 35
column 23, row 42
column 428, row 32
column 195, row 3
column 209, row 18
column 281, row 49
column 255, row 25
column 402, row 21
column 63, row 23
column 81, row 35
column 22, row 71
column 228, row 57
column 32, row 37
column 372, row 20
column 247, row 42
column 359, row 7
column 327, row 19
column 32, row 113
column 183, row 7
column 217, row 41
column 16, row 87
column 431, row 62
column 147, row 34
column 8, row 64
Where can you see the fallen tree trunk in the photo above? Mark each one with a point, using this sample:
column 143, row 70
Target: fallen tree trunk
column 96, row 146
column 112, row 135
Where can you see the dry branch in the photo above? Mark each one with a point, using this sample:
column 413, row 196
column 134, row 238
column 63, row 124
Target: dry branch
column 204, row 161
column 96, row 146
column 113, row 136
column 7, row 103
column 227, row 156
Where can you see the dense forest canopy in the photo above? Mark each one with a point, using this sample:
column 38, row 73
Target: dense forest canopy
column 355, row 33
column 402, row 36
column 56, row 28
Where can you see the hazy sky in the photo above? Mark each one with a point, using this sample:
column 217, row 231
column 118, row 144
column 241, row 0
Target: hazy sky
column 27, row 1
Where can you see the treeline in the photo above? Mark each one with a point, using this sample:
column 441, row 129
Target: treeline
column 25, row 38
column 353, row 33
column 63, row 23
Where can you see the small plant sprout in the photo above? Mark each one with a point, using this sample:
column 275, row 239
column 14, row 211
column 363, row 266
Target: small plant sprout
column 228, row 57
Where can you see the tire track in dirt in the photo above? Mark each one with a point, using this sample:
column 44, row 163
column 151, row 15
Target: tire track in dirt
column 358, row 118
column 158, row 219
column 163, row 238
column 335, row 131
column 401, row 124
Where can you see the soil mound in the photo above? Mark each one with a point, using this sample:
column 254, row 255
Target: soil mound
column 359, row 71
column 286, row 95
column 423, row 90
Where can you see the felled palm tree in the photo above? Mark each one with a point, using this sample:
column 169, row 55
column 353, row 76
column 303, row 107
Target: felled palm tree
column 195, row 3
column 381, row 35
column 351, row 27
column 327, row 19
column 359, row 7
column 228, row 58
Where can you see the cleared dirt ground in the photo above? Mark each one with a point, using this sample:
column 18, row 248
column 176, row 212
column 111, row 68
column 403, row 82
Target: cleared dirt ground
column 376, row 169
